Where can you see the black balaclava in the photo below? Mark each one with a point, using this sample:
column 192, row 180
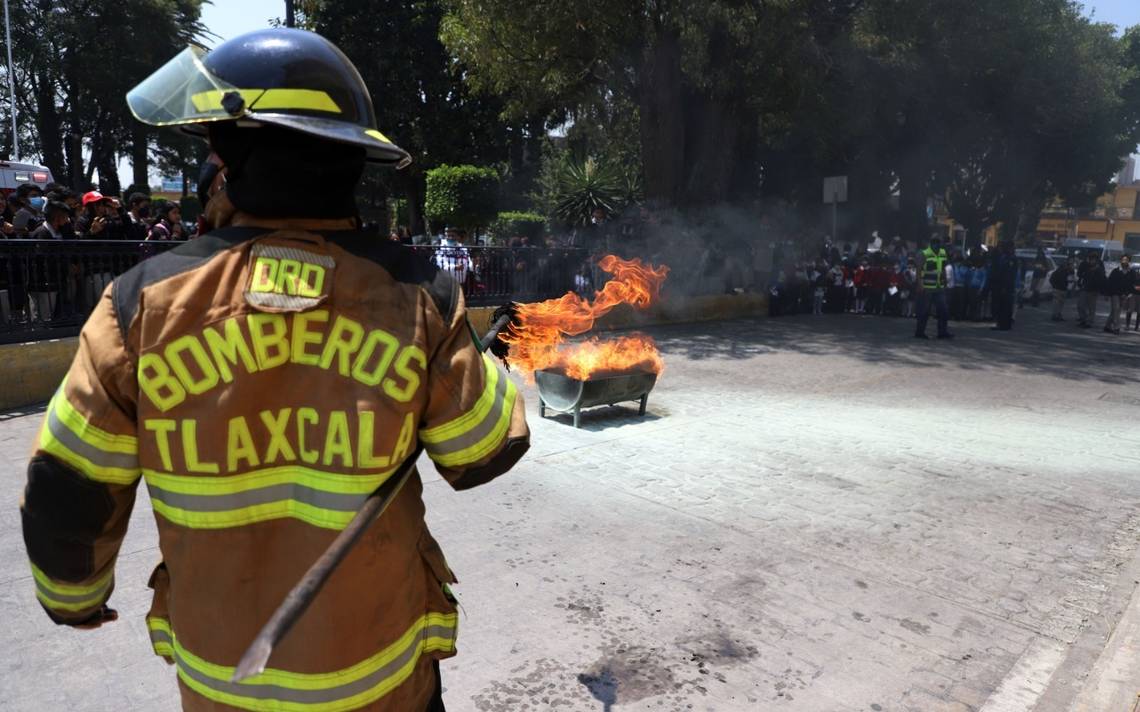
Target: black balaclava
column 277, row 173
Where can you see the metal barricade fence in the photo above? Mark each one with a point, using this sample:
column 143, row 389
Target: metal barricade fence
column 49, row 287
column 491, row 276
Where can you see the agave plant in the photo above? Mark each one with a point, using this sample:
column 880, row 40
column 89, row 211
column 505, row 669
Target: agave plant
column 582, row 187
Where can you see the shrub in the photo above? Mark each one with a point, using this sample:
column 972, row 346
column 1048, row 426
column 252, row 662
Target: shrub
column 516, row 224
column 462, row 196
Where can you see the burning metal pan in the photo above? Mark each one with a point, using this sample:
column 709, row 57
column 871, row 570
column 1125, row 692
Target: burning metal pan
column 559, row 392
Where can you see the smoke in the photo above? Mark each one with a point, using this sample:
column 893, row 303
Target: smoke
column 719, row 249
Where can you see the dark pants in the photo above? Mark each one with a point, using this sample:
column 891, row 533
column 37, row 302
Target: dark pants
column 874, row 300
column 937, row 298
column 958, row 303
column 436, row 704
column 973, row 304
column 1003, row 308
column 836, row 300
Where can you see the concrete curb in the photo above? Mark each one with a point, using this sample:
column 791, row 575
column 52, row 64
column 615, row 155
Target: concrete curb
column 1113, row 685
column 32, row 371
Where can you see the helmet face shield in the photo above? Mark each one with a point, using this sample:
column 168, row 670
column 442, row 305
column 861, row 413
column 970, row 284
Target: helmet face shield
column 290, row 78
column 182, row 91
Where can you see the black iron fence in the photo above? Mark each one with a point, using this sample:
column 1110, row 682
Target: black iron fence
column 491, row 276
column 48, row 287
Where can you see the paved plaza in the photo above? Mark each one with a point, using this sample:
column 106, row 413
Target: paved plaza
column 817, row 513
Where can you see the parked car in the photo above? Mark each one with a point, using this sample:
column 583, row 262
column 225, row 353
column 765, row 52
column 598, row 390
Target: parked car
column 13, row 175
column 1026, row 261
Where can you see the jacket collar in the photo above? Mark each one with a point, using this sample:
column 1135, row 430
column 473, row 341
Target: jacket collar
column 221, row 212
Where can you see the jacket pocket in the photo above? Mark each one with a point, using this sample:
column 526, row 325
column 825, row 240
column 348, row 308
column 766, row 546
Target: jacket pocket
column 441, row 617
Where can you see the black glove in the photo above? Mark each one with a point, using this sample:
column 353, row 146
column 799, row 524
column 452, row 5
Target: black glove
column 498, row 347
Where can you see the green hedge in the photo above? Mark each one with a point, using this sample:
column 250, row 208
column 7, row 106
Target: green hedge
column 462, row 196
column 517, row 224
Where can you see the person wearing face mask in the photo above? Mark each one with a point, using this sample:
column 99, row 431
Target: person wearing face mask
column 1119, row 285
column 101, row 219
column 211, row 181
column 1005, row 282
column 1090, row 280
column 932, row 289
column 138, row 217
column 56, row 217
column 30, row 213
column 43, row 281
column 1062, row 281
column 284, row 261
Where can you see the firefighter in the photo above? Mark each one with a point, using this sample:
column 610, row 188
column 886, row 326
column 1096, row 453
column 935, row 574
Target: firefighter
column 932, row 289
column 263, row 379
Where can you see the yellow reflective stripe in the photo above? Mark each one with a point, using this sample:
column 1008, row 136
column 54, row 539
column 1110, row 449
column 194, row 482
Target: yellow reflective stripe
column 316, row 516
column 460, row 425
column 97, row 437
column 99, row 456
column 161, row 637
column 268, row 99
column 337, row 691
column 377, row 135
column 71, row 597
column 322, row 499
column 212, row 100
column 290, row 474
column 488, row 444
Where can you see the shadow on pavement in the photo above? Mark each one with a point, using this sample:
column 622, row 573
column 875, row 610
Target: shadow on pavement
column 1036, row 344
column 36, row 409
column 604, row 417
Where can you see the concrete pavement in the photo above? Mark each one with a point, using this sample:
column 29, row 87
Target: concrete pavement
column 817, row 514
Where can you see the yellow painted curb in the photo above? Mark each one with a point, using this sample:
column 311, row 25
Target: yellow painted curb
column 33, row 371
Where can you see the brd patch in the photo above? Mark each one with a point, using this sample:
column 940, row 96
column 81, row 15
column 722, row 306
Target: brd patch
column 288, row 279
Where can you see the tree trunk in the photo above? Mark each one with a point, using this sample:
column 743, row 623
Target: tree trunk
column 662, row 119
column 140, row 166
column 912, row 201
column 48, row 126
column 75, row 162
column 414, row 193
column 108, row 169
column 711, row 146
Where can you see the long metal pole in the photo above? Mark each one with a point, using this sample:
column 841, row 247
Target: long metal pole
column 290, row 20
column 256, row 656
column 835, row 217
column 11, row 84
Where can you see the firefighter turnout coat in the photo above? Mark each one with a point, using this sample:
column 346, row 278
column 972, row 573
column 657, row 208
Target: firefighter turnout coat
column 262, row 380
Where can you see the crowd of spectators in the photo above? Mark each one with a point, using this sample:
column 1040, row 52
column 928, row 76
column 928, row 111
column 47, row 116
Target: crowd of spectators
column 57, row 213
column 981, row 284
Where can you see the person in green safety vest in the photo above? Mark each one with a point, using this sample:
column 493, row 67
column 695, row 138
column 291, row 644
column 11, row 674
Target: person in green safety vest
column 932, row 289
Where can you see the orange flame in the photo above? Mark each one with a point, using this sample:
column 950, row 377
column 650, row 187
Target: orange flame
column 536, row 341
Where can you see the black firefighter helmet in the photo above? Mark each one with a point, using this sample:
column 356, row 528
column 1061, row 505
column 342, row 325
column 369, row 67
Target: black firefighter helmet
column 282, row 77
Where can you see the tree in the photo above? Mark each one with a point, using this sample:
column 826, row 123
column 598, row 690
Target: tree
column 422, row 97
column 462, row 196
column 701, row 75
column 75, row 60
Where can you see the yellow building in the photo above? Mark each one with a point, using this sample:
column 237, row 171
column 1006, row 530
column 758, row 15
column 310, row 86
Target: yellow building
column 1116, row 218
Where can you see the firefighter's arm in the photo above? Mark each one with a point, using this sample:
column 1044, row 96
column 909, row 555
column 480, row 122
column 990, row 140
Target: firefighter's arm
column 474, row 427
column 82, row 478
